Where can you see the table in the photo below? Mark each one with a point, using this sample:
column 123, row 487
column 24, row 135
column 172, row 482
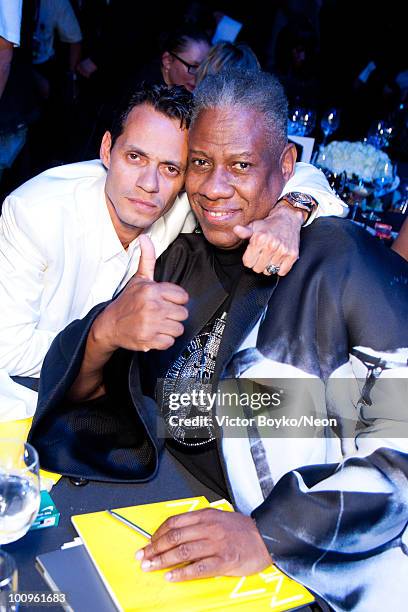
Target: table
column 171, row 482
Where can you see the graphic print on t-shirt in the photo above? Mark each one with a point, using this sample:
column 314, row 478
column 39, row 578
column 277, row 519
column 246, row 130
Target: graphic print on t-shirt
column 184, row 394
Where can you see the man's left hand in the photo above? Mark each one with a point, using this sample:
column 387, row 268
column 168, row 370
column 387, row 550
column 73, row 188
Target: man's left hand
column 211, row 542
column 273, row 240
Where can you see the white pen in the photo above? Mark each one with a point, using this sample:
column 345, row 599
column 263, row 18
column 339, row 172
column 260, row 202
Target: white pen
column 133, row 526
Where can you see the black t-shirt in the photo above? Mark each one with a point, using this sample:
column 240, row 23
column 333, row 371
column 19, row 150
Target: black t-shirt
column 195, row 447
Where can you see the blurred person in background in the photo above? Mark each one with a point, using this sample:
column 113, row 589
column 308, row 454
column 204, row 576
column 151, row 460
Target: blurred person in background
column 55, row 16
column 181, row 54
column 228, row 55
column 18, row 97
column 297, row 61
column 10, row 24
column 55, row 60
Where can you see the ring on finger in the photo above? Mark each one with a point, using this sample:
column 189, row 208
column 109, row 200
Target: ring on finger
column 271, row 269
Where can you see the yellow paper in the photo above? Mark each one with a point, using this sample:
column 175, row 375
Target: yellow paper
column 19, row 429
column 112, row 547
column 15, row 429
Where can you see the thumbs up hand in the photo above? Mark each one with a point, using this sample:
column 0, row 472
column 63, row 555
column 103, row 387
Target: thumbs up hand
column 147, row 314
column 147, row 261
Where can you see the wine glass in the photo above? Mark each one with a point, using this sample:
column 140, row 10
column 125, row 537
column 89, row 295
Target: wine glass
column 401, row 205
column 384, row 177
column 294, row 123
column 330, row 123
column 307, row 122
column 301, row 121
column 380, row 134
column 19, row 498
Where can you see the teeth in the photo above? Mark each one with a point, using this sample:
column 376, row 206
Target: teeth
column 216, row 214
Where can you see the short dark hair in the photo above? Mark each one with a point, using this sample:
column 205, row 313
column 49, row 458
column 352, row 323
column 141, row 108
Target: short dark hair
column 174, row 102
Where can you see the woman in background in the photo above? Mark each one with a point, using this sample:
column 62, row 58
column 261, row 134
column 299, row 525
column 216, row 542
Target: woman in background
column 181, row 54
column 227, row 55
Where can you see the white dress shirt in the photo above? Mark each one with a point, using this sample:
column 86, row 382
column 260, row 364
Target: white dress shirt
column 10, row 20
column 60, row 256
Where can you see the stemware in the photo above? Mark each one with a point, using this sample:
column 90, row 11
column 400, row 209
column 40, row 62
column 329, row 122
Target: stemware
column 329, row 123
column 294, row 127
column 380, row 134
column 19, row 501
column 384, row 174
column 401, row 205
column 301, row 121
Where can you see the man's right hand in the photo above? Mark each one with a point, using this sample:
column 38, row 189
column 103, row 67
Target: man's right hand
column 147, row 314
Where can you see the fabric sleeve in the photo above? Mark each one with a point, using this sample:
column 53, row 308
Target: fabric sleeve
column 22, row 266
column 341, row 528
column 10, row 20
column 309, row 179
column 109, row 438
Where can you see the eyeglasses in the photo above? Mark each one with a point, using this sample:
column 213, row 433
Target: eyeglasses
column 191, row 68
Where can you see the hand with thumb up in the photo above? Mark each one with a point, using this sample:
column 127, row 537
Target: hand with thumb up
column 147, row 314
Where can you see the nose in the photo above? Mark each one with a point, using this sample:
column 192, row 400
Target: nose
column 216, row 185
column 148, row 179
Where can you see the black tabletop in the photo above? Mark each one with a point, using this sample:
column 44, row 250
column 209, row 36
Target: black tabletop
column 172, row 481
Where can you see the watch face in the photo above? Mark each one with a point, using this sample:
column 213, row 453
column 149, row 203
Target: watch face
column 300, row 198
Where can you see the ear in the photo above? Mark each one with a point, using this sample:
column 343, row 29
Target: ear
column 105, row 149
column 167, row 60
column 288, row 161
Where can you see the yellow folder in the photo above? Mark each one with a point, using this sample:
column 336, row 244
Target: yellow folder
column 112, row 547
column 19, row 430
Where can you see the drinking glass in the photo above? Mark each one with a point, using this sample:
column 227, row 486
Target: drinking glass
column 380, row 134
column 8, row 582
column 330, row 123
column 19, row 501
column 308, row 121
column 294, row 123
column 401, row 205
column 301, row 121
column 384, row 173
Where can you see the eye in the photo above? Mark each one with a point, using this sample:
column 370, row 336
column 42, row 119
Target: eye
column 200, row 163
column 241, row 165
column 134, row 156
column 173, row 170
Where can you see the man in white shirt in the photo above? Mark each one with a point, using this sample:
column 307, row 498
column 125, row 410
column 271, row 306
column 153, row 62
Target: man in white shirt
column 68, row 237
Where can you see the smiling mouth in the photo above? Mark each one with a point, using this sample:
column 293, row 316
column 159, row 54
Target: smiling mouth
column 219, row 215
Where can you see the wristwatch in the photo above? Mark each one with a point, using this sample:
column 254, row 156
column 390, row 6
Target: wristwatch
column 301, row 201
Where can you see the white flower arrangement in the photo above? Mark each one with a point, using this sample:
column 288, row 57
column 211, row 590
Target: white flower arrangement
column 357, row 159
